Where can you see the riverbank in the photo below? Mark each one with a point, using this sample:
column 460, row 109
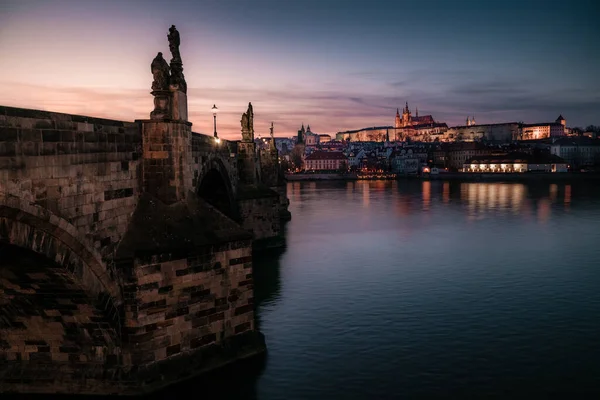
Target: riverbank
column 514, row 177
column 321, row 177
column 458, row 176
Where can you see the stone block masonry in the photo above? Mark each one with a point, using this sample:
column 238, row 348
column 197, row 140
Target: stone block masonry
column 260, row 214
column 166, row 159
column 179, row 306
column 80, row 168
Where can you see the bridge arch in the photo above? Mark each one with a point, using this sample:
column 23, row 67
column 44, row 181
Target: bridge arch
column 215, row 186
column 34, row 228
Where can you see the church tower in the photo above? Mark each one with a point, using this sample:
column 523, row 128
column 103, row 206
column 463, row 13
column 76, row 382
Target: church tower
column 398, row 121
column 301, row 133
column 406, row 118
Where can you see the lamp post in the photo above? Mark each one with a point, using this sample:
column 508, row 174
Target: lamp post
column 215, row 110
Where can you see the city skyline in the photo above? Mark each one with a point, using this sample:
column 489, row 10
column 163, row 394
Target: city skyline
column 331, row 66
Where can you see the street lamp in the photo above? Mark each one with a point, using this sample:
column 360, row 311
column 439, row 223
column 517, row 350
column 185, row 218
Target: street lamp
column 215, row 110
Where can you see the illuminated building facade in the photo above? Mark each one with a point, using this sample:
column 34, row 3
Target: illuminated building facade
column 406, row 126
column 516, row 163
column 325, row 161
column 547, row 130
column 494, row 133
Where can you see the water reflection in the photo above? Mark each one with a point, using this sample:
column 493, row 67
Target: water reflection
column 426, row 188
column 267, row 277
column 446, row 193
column 366, row 194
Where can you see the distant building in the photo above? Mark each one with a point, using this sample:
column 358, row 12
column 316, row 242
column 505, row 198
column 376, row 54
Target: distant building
column 577, row 151
column 405, row 127
column 310, row 138
column 471, row 121
column 493, row 133
column 407, row 161
column 325, row 161
column 516, row 162
column 324, row 138
column 458, row 153
column 544, row 130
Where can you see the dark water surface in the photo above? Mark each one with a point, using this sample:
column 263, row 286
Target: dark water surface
column 426, row 289
column 417, row 289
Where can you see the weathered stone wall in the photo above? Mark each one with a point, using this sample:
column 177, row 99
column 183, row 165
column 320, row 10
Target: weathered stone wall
column 272, row 176
column 177, row 306
column 166, row 156
column 256, row 207
column 208, row 154
column 248, row 165
column 80, row 168
column 50, row 331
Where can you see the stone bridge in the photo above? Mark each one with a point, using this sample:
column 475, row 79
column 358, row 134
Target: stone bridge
column 126, row 247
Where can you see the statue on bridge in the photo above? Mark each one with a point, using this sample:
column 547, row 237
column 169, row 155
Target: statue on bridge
column 160, row 72
column 177, row 78
column 174, row 42
column 248, row 124
column 272, row 144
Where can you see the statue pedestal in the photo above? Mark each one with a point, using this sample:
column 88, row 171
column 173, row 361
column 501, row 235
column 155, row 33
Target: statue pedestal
column 162, row 105
column 166, row 159
column 179, row 109
column 170, row 104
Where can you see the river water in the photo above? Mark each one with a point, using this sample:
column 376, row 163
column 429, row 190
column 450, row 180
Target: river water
column 416, row 289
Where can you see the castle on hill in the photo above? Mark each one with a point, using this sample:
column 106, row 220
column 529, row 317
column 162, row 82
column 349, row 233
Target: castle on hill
column 406, row 126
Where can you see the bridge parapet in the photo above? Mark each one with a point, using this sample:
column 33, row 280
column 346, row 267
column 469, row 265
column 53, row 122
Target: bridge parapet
column 80, row 168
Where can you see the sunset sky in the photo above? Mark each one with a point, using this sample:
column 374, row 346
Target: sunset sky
column 333, row 64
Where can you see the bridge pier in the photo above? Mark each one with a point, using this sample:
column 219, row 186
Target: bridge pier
column 188, row 291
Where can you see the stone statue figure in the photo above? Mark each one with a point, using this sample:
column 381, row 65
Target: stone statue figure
column 272, row 143
column 160, row 72
column 251, row 119
column 248, row 124
column 177, row 78
column 174, row 42
column 244, row 122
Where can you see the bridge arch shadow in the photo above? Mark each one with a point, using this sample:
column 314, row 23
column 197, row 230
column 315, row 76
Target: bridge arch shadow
column 66, row 256
column 215, row 187
column 48, row 317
